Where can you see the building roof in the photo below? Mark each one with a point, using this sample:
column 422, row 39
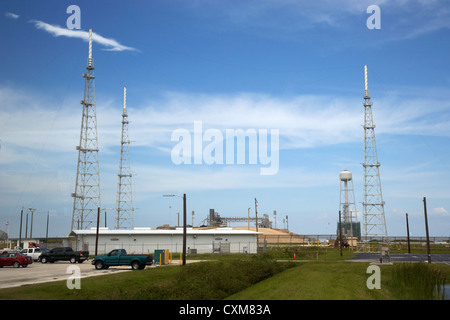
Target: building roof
column 150, row 231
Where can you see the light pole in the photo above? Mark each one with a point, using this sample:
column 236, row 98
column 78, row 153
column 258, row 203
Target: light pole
column 407, row 231
column 184, row 222
column 32, row 210
column 256, row 214
column 426, row 229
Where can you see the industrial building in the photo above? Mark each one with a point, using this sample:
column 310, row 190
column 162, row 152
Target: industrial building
column 140, row 240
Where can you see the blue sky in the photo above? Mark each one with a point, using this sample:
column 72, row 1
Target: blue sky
column 295, row 66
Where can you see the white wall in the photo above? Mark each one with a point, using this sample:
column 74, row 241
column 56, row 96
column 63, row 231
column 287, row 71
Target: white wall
column 148, row 243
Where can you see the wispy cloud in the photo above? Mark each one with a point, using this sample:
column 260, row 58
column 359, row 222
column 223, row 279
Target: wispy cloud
column 304, row 121
column 110, row 44
column 440, row 211
column 288, row 18
column 12, row 15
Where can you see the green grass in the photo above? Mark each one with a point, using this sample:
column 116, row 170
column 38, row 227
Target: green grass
column 337, row 280
column 114, row 286
column 418, row 281
column 316, row 274
column 196, row 281
column 343, row 280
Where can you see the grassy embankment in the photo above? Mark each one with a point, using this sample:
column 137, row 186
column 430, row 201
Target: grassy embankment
column 321, row 274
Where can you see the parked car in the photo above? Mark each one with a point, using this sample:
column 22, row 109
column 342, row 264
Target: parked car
column 34, row 253
column 119, row 257
column 64, row 254
column 15, row 260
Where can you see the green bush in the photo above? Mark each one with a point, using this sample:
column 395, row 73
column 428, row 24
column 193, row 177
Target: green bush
column 214, row 280
column 418, row 281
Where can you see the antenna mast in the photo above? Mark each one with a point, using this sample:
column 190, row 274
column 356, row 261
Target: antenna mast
column 374, row 222
column 124, row 201
column 87, row 187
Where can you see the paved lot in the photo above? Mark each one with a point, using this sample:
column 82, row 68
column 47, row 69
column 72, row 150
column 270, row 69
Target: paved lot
column 404, row 257
column 38, row 272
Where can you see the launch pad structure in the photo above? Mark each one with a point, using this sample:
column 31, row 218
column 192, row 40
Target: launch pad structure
column 87, row 196
column 215, row 220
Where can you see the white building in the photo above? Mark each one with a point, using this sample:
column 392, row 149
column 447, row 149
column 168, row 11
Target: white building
column 143, row 240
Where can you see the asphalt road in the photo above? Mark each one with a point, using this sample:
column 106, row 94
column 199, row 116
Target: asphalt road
column 404, row 257
column 38, row 272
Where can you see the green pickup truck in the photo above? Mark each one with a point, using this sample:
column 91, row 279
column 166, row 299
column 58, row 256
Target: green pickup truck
column 119, row 257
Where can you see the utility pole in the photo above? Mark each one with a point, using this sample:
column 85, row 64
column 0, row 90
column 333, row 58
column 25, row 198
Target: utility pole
column 407, row 232
column 184, row 223
column 275, row 217
column 46, row 232
column 26, row 227
column 184, row 229
column 426, row 228
column 340, row 233
column 20, row 233
column 256, row 214
column 96, row 234
column 32, row 210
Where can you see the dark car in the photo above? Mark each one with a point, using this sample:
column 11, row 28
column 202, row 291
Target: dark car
column 15, row 260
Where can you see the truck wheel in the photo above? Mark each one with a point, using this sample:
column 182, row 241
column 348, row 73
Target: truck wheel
column 135, row 265
column 73, row 260
column 99, row 265
column 44, row 260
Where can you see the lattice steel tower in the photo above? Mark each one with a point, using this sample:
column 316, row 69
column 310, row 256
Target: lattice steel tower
column 124, row 201
column 374, row 222
column 87, row 187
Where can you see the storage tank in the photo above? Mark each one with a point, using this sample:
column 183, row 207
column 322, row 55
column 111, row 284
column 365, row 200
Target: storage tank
column 350, row 228
column 345, row 175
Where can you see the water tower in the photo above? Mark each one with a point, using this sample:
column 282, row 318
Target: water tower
column 350, row 227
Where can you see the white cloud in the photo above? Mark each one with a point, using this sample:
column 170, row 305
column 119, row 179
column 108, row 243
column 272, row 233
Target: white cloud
column 440, row 211
column 12, row 15
column 110, row 44
column 304, row 121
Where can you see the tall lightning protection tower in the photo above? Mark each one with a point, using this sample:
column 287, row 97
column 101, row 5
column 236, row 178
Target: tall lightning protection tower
column 124, row 200
column 87, row 198
column 374, row 222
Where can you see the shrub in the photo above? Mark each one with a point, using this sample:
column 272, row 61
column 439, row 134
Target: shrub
column 418, row 281
column 213, row 280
